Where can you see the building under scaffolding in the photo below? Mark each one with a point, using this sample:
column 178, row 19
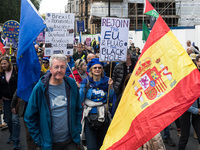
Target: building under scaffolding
column 166, row 8
column 174, row 12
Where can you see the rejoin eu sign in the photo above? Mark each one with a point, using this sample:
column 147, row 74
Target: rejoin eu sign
column 114, row 39
column 11, row 29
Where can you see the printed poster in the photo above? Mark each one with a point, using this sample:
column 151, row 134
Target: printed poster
column 60, row 34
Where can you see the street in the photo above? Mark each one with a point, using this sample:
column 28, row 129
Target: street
column 192, row 144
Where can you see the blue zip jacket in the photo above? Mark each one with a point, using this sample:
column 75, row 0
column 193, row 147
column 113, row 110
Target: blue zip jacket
column 96, row 93
column 38, row 114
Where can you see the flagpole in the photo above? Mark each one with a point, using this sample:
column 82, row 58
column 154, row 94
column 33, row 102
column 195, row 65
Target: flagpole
column 10, row 49
column 109, row 87
column 110, row 64
column 143, row 18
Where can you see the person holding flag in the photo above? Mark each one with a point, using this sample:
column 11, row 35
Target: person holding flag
column 94, row 95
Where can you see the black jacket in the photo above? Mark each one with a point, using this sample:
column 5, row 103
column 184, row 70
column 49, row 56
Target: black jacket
column 119, row 74
column 8, row 89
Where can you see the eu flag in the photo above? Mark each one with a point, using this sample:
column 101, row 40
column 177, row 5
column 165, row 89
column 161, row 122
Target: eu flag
column 31, row 24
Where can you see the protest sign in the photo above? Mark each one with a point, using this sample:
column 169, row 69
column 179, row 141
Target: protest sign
column 40, row 37
column 80, row 26
column 60, row 34
column 88, row 41
column 11, row 29
column 114, row 39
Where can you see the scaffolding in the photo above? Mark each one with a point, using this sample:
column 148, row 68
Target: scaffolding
column 166, row 8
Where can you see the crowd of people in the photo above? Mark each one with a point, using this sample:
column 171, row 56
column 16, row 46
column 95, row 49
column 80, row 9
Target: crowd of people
column 72, row 104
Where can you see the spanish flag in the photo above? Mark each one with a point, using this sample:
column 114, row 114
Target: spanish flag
column 163, row 85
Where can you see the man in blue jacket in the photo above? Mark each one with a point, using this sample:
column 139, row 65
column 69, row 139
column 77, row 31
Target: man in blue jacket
column 53, row 114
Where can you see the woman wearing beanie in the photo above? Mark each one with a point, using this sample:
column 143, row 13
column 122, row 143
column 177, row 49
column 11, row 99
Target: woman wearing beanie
column 93, row 94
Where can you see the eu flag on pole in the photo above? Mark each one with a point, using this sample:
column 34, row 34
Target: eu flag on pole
column 31, row 24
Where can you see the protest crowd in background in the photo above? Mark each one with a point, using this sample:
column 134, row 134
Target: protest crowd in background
column 81, row 71
column 74, row 101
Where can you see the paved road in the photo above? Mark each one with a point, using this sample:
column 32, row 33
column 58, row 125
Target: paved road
column 4, row 134
column 192, row 144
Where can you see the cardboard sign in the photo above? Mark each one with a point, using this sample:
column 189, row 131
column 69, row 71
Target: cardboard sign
column 60, row 34
column 114, row 39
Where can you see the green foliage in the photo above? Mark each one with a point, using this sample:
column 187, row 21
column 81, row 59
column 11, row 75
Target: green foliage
column 10, row 9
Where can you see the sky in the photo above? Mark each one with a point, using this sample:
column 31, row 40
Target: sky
column 52, row 6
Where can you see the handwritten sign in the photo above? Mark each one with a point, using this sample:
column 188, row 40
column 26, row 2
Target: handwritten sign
column 11, row 29
column 60, row 34
column 114, row 39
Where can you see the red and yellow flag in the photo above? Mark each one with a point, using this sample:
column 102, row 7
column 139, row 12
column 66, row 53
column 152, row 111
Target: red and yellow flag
column 163, row 85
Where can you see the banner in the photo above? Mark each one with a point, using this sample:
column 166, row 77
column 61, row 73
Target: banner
column 80, row 26
column 60, row 34
column 114, row 39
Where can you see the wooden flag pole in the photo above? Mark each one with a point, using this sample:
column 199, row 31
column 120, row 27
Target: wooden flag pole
column 109, row 88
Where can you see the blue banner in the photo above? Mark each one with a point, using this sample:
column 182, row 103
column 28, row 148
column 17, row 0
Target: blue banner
column 80, row 26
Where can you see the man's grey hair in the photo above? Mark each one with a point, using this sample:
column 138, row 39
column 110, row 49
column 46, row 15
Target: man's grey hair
column 58, row 57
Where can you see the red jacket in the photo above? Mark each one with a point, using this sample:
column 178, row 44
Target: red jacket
column 77, row 76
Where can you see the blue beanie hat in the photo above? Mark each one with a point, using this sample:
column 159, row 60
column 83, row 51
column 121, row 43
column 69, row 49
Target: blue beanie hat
column 46, row 59
column 93, row 62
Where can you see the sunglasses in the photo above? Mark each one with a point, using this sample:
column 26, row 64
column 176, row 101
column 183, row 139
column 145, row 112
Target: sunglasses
column 45, row 62
column 97, row 67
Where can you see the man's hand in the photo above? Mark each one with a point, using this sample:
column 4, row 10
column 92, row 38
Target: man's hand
column 14, row 111
column 199, row 111
column 78, row 84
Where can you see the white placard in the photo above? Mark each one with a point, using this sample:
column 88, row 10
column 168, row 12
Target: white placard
column 60, row 34
column 114, row 39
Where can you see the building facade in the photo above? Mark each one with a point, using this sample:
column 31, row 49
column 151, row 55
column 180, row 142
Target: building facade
column 174, row 12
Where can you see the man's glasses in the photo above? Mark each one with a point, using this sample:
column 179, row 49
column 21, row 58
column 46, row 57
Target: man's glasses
column 45, row 62
column 61, row 67
column 97, row 67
